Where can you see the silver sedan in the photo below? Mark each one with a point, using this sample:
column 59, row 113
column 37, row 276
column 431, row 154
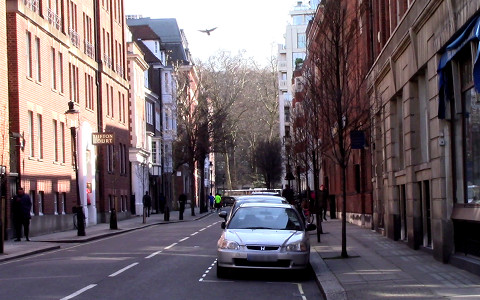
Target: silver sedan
column 264, row 236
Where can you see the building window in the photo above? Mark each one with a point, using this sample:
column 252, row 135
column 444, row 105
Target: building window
column 63, row 203
column 56, row 206
column 154, row 152
column 301, row 40
column 62, row 142
column 38, row 58
column 41, row 203
column 74, row 89
column 108, row 100
column 54, row 68
column 34, row 204
column 398, row 127
column 111, row 102
column 55, row 140
column 110, row 158
column 123, row 109
column 298, row 20
column 31, row 132
column 60, row 70
column 29, row 55
column 87, row 36
column 424, row 119
column 287, row 114
column 89, row 91
column 157, row 121
column 120, row 108
column 72, row 24
column 149, row 113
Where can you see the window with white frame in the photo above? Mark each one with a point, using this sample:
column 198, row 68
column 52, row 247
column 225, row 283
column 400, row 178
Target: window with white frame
column 149, row 111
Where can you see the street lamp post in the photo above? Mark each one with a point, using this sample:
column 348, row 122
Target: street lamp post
column 211, row 177
column 79, row 210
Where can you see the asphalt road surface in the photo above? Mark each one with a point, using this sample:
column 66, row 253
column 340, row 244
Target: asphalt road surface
column 174, row 261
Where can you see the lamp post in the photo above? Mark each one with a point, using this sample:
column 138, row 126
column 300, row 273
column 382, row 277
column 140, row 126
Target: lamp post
column 72, row 111
column 211, row 177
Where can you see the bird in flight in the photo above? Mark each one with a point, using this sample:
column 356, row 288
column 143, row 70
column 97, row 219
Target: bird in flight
column 207, row 31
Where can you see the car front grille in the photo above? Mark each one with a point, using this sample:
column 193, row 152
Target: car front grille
column 262, row 248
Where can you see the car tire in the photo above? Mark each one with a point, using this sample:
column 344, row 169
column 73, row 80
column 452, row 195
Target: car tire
column 221, row 272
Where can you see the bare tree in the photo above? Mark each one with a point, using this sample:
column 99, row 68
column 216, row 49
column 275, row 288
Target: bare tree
column 269, row 161
column 334, row 76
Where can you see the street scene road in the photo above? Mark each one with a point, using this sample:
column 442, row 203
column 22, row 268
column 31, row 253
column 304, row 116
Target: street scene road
column 168, row 261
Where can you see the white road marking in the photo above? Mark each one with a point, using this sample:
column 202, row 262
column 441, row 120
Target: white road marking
column 171, row 246
column 300, row 289
column 184, row 239
column 153, row 254
column 123, row 270
column 195, row 233
column 202, row 229
column 79, row 292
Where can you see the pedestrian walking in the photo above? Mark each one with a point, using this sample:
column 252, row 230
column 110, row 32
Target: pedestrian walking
column 21, row 206
column 323, row 202
column 218, row 202
column 147, row 203
column 212, row 201
column 182, row 199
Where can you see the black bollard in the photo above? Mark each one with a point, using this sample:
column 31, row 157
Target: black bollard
column 113, row 219
column 166, row 215
column 80, row 222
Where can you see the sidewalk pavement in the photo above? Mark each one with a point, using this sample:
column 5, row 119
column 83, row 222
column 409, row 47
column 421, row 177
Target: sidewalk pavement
column 53, row 241
column 380, row 268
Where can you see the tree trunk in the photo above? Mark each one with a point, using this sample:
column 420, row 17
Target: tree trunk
column 344, row 212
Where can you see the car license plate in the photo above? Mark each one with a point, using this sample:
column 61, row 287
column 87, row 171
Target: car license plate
column 261, row 257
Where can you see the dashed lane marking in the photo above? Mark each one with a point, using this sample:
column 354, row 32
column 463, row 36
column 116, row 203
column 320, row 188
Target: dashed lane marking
column 79, row 292
column 171, row 246
column 123, row 270
column 153, row 254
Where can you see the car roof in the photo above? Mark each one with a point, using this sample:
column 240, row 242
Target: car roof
column 260, row 197
column 265, row 204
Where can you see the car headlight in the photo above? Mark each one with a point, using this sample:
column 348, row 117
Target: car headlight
column 226, row 244
column 297, row 247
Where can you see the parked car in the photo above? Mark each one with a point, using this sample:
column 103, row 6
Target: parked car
column 228, row 200
column 253, row 198
column 264, row 236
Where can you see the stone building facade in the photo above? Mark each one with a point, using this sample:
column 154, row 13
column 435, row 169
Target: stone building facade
column 426, row 139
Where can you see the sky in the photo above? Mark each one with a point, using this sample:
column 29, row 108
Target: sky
column 256, row 26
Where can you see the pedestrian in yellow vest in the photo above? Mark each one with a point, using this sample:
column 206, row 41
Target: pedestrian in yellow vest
column 218, row 201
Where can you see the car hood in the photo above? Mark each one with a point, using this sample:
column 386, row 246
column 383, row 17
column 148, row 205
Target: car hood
column 263, row 236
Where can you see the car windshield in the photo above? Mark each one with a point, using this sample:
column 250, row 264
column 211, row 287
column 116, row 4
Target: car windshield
column 277, row 218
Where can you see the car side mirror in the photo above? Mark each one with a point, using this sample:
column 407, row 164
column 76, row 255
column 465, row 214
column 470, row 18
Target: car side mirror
column 223, row 214
column 223, row 225
column 311, row 227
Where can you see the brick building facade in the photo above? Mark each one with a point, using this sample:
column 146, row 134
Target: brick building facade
column 61, row 52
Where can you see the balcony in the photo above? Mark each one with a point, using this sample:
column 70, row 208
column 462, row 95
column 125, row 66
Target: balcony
column 282, row 66
column 33, row 5
column 119, row 69
column 54, row 19
column 107, row 60
column 282, row 84
column 89, row 49
column 74, row 37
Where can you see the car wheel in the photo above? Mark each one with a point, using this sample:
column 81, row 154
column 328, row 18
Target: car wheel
column 221, row 272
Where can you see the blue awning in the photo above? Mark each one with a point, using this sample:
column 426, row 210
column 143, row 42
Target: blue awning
column 471, row 32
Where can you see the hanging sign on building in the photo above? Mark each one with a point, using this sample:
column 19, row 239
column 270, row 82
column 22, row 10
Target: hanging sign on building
column 103, row 138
